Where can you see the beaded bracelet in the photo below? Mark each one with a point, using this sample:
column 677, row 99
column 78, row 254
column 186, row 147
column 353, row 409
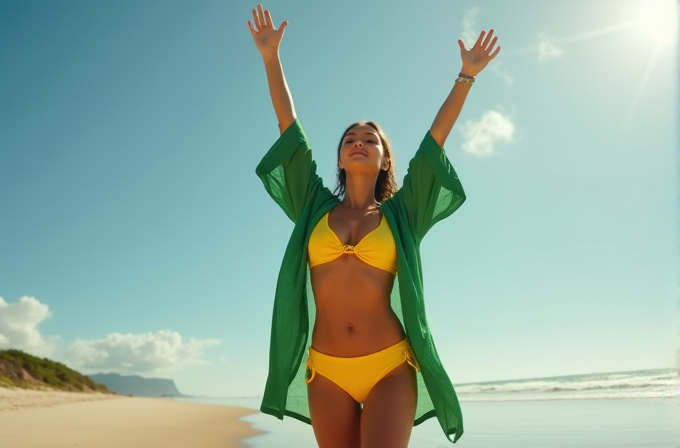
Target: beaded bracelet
column 467, row 79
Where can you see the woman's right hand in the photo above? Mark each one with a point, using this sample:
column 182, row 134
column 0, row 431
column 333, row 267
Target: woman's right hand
column 267, row 39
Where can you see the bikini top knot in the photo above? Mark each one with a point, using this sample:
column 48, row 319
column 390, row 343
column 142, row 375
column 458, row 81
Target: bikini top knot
column 377, row 249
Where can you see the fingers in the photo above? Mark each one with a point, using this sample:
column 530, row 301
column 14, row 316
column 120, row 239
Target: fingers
column 256, row 21
column 252, row 30
column 479, row 39
column 491, row 45
column 260, row 14
column 268, row 18
column 261, row 19
column 485, row 44
column 283, row 26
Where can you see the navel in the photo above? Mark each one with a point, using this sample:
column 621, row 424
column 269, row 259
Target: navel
column 349, row 327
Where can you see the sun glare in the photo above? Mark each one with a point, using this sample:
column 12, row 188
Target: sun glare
column 658, row 20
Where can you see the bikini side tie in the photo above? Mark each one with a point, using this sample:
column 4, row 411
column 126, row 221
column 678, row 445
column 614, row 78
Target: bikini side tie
column 411, row 359
column 310, row 371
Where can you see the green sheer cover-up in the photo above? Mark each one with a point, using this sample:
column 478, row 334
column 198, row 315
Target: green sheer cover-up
column 431, row 192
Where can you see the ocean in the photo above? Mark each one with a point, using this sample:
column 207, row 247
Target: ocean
column 638, row 409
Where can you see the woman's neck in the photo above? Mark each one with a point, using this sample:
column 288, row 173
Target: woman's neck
column 360, row 192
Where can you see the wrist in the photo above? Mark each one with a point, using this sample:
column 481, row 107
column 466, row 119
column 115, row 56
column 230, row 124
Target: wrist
column 467, row 73
column 465, row 79
column 270, row 56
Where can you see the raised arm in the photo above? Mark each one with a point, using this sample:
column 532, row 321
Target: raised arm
column 474, row 61
column 267, row 39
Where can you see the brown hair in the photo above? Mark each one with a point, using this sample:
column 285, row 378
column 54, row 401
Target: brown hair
column 386, row 185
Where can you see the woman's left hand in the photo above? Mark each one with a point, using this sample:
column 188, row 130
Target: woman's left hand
column 479, row 56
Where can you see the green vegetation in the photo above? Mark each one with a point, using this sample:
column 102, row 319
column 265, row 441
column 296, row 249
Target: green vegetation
column 19, row 369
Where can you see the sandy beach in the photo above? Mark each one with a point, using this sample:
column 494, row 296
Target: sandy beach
column 46, row 419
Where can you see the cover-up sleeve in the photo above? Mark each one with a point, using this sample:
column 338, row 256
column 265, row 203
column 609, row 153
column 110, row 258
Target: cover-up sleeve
column 288, row 171
column 431, row 190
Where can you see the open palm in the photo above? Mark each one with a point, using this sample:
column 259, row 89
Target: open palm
column 266, row 37
column 479, row 56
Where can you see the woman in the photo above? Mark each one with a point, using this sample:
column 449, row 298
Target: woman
column 351, row 272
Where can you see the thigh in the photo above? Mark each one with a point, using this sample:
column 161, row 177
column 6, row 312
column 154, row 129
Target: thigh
column 334, row 413
column 389, row 410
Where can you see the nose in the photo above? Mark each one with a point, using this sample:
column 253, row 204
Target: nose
column 358, row 143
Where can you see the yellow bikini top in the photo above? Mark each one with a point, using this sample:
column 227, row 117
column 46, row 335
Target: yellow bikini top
column 377, row 248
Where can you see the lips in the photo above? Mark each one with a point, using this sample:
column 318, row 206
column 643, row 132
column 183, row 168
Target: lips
column 358, row 151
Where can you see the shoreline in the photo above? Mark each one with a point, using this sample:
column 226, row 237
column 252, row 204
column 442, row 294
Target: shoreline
column 45, row 418
column 581, row 398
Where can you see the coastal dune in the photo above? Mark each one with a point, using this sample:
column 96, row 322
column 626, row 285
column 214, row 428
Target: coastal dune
column 46, row 419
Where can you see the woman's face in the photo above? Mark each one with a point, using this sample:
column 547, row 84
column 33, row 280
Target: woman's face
column 362, row 151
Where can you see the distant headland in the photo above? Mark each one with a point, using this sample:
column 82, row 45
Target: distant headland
column 22, row 370
column 19, row 369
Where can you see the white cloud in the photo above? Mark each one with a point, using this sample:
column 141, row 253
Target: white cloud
column 547, row 49
column 470, row 35
column 19, row 326
column 502, row 72
column 140, row 353
column 479, row 137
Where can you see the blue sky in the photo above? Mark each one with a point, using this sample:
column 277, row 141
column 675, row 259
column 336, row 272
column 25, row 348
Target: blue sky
column 135, row 236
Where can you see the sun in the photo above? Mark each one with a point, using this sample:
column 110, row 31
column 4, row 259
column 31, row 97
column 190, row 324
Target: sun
column 658, row 20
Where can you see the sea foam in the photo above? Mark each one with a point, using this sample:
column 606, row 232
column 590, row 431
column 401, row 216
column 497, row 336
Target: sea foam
column 657, row 383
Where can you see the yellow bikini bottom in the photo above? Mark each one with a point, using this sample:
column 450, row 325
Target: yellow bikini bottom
column 358, row 375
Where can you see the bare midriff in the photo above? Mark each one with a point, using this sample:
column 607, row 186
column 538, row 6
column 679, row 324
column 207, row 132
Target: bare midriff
column 352, row 298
